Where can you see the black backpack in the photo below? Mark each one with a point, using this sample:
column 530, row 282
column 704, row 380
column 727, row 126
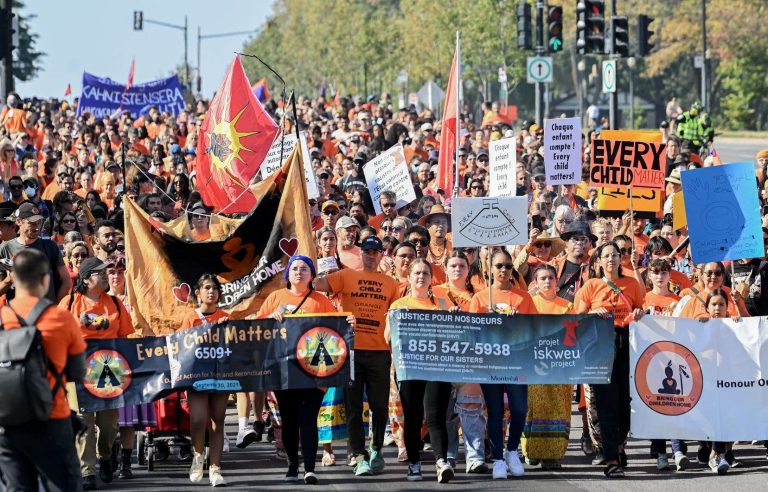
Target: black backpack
column 25, row 395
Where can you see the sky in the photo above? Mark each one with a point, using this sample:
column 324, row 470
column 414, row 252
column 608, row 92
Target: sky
column 97, row 36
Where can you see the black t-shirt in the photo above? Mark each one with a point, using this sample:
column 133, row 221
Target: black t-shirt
column 9, row 249
column 566, row 287
column 753, row 274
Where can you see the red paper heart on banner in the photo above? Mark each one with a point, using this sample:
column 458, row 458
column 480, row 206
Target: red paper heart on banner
column 289, row 246
column 182, row 292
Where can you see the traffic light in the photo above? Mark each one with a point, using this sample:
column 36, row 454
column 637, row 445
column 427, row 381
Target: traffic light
column 138, row 20
column 555, row 23
column 619, row 36
column 590, row 26
column 644, row 33
column 524, row 38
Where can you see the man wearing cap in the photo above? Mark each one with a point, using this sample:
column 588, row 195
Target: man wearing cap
column 675, row 186
column 346, row 235
column 573, row 267
column 28, row 220
column 330, row 213
column 367, row 294
column 32, row 190
column 324, row 182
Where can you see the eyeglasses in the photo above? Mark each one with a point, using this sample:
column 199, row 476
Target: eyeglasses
column 610, row 256
column 542, row 244
column 419, row 242
column 715, row 273
column 625, row 251
column 330, row 212
column 501, row 266
column 121, row 247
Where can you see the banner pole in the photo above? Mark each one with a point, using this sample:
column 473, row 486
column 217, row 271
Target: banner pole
column 458, row 116
column 632, row 218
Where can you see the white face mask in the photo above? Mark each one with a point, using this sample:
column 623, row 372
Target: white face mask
column 31, row 192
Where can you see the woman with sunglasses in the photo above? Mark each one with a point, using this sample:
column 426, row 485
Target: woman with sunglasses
column 548, row 420
column 424, row 397
column 507, row 299
column 67, row 222
column 629, row 259
column 476, row 188
column 563, row 217
column 693, row 299
column 539, row 250
column 74, row 255
column 608, row 293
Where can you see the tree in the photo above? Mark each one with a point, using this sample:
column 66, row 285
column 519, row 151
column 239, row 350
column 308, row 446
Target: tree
column 27, row 60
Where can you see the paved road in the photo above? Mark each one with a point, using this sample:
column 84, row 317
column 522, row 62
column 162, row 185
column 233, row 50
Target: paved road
column 256, row 468
column 739, row 149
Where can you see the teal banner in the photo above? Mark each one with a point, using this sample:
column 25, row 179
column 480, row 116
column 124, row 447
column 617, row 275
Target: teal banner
column 495, row 348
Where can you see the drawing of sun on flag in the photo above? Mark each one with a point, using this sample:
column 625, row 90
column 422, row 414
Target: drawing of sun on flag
column 226, row 146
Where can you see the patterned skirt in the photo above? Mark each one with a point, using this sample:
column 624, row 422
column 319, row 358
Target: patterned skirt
column 548, row 422
column 332, row 419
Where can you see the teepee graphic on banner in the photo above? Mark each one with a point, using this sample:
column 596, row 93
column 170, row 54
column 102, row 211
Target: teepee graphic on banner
column 321, row 353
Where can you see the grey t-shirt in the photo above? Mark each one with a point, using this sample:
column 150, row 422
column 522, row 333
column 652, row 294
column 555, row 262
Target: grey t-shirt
column 49, row 248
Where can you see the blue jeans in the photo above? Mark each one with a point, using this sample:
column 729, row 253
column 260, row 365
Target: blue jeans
column 473, row 426
column 659, row 446
column 517, row 396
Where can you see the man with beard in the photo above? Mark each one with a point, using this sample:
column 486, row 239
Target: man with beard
column 105, row 239
column 573, row 268
column 28, row 221
column 388, row 203
column 346, row 234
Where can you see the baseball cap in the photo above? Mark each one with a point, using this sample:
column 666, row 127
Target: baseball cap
column 372, row 242
column 28, row 211
column 346, row 222
column 426, row 127
column 90, row 265
column 6, row 213
column 329, row 204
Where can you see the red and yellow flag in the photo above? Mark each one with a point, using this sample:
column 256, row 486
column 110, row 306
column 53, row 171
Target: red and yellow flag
column 234, row 140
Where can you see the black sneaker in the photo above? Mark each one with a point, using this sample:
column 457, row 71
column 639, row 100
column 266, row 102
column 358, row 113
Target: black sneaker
column 731, row 459
column 259, row 427
column 89, row 482
column 105, row 470
column 271, row 433
column 598, row 459
column 702, row 455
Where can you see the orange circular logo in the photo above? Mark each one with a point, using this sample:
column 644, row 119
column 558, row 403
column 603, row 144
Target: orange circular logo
column 668, row 378
column 108, row 374
column 321, row 352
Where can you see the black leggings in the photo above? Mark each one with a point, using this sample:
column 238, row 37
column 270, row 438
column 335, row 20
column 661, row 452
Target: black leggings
column 612, row 400
column 298, row 413
column 418, row 397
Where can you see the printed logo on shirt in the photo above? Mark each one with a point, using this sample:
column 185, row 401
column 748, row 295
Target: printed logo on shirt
column 92, row 321
column 321, row 352
column 107, row 374
column 668, row 378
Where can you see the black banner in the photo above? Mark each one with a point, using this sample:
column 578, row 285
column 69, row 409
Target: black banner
column 258, row 355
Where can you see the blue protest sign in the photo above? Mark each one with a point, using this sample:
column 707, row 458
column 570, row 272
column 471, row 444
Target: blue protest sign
column 723, row 212
column 102, row 96
column 495, row 348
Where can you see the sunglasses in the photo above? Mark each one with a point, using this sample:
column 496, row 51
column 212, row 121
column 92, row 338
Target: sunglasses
column 501, row 266
column 625, row 251
column 392, row 228
column 388, row 205
column 68, row 221
column 16, row 187
column 476, row 187
column 80, row 255
column 539, row 179
column 542, row 244
column 330, row 212
column 121, row 247
column 419, row 242
column 716, row 273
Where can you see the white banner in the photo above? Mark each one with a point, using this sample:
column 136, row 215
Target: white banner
column 699, row 381
column 502, row 160
column 489, row 221
column 309, row 173
column 562, row 150
column 389, row 171
column 272, row 161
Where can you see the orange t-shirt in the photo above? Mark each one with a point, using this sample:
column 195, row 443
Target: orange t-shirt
column 694, row 307
column 103, row 319
column 368, row 297
column 192, row 318
column 596, row 293
column 659, row 304
column 351, row 258
column 316, row 303
column 206, row 236
column 503, row 300
column 458, row 297
column 61, row 338
column 556, row 306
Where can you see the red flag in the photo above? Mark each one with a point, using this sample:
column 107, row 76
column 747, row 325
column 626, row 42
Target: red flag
column 68, row 90
column 131, row 72
column 233, row 141
column 448, row 137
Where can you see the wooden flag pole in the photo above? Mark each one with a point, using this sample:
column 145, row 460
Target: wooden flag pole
column 458, row 116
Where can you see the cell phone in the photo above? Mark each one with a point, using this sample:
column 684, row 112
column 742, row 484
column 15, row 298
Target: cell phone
column 537, row 222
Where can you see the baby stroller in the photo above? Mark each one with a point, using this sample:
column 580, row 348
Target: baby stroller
column 172, row 431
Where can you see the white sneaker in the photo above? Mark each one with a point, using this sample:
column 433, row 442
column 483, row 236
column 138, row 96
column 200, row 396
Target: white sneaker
column 214, row 475
column 245, row 437
column 310, row 478
column 513, row 463
column 196, row 469
column 499, row 470
column 681, row 461
column 444, row 471
column 662, row 462
column 225, row 447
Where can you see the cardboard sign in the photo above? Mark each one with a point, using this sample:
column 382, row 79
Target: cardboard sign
column 628, row 164
column 613, row 202
column 679, row 218
column 489, row 221
column 272, row 161
column 562, row 150
column 502, row 161
column 389, row 171
column 309, row 174
column 723, row 212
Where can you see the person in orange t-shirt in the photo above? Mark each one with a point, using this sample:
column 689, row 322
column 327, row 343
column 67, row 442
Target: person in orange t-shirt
column 610, row 293
column 509, row 300
column 205, row 407
column 458, row 289
column 44, row 448
column 659, row 300
column 693, row 300
column 299, row 407
column 199, row 222
column 101, row 316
